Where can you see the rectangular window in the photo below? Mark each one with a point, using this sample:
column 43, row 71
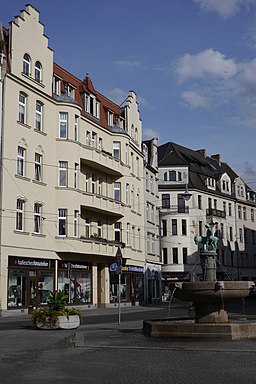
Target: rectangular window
column 76, row 129
column 209, row 203
column 94, row 140
column 117, row 231
column 199, row 197
column 128, row 234
column 37, row 218
column 87, row 182
column 22, row 108
column 127, row 194
column 230, row 233
column 100, row 186
column 229, row 209
column 164, row 227
column 215, row 203
column 100, row 144
column 20, row 215
column 175, row 256
column 87, row 227
column 76, row 215
column 200, row 228
column 117, row 150
column 38, row 167
column 224, row 206
column 239, row 209
column 244, row 213
column 241, row 235
column 126, row 154
column 100, row 228
column 93, row 183
column 21, row 161
column 110, row 118
column 165, row 257
column 76, row 175
column 88, row 138
column 252, row 214
column 39, row 109
column 117, row 191
column 174, row 227
column 63, row 121
column 63, row 174
column 185, row 255
column 184, row 227
column 62, row 228
column 165, row 200
column 56, row 85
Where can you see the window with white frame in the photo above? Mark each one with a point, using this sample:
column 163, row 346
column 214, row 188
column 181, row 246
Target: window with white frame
column 63, row 125
column 99, row 228
column 252, row 214
column 76, row 128
column 76, row 216
column 37, row 218
column 63, row 173
column 56, row 85
column 239, row 212
column 127, row 154
column 39, row 120
column 117, row 191
column 87, row 227
column 100, row 186
column 117, row 231
column 38, row 167
column 21, row 161
column 20, row 215
column 128, row 234
column 117, row 150
column 26, row 64
column 38, row 72
column 92, row 105
column 147, row 181
column 93, row 183
column 87, row 176
column 22, row 107
column 76, row 167
column 100, row 144
column 110, row 118
column 127, row 194
column 70, row 91
column 62, row 227
column 88, row 138
column 240, row 235
column 94, row 139
column 136, row 135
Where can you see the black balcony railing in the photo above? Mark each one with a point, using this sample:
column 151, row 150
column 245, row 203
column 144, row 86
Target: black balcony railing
column 173, row 209
column 215, row 212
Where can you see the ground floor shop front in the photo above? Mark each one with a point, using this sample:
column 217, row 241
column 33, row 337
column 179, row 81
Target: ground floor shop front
column 29, row 281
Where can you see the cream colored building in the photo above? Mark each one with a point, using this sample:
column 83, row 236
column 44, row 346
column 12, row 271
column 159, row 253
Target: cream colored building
column 72, row 187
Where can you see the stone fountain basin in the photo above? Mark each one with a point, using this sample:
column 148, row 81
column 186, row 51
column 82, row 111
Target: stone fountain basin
column 211, row 291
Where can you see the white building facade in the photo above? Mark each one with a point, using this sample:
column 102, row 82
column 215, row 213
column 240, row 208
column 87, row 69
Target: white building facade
column 72, row 186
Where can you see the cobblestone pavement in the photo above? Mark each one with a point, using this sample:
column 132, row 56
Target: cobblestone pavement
column 108, row 353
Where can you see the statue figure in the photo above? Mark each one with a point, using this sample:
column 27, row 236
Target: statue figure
column 209, row 241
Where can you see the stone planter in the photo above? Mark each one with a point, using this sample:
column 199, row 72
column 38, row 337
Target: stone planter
column 63, row 322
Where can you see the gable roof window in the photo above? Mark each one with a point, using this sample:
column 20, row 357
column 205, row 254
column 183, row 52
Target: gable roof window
column 26, row 64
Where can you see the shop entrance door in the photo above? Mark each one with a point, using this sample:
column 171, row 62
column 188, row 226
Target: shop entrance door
column 32, row 291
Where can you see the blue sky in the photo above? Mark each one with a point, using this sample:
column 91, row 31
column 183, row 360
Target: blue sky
column 192, row 64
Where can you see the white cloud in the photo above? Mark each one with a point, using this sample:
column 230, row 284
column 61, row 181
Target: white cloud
column 148, row 134
column 118, row 95
column 194, row 100
column 225, row 8
column 205, row 63
column 128, row 64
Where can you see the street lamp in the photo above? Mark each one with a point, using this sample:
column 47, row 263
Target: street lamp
column 186, row 195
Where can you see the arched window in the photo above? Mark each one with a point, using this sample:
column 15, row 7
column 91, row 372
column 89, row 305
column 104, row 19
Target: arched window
column 136, row 135
column 38, row 72
column 26, row 64
column 132, row 131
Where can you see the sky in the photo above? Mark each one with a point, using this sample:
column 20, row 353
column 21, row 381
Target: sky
column 192, row 64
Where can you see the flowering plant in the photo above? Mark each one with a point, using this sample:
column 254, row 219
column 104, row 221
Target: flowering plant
column 55, row 308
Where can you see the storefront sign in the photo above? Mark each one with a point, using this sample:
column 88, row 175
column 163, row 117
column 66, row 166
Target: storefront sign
column 127, row 268
column 29, row 262
column 67, row 264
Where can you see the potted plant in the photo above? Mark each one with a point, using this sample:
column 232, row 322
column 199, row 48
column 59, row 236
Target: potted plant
column 55, row 315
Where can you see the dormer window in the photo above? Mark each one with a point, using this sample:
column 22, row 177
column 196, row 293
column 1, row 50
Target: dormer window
column 56, row 85
column 225, row 185
column 210, row 182
column 110, row 118
column 172, row 176
column 71, row 91
column 26, row 64
column 38, row 72
column 92, row 105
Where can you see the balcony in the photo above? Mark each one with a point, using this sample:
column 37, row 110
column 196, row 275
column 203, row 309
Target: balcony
column 215, row 213
column 174, row 209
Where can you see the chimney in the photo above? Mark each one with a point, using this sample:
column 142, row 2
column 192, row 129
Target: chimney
column 216, row 157
column 202, row 152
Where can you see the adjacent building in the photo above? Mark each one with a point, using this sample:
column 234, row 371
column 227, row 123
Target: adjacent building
column 196, row 190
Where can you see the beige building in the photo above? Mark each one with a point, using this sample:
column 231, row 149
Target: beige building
column 72, row 187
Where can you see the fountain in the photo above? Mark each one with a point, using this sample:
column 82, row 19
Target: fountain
column 210, row 298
